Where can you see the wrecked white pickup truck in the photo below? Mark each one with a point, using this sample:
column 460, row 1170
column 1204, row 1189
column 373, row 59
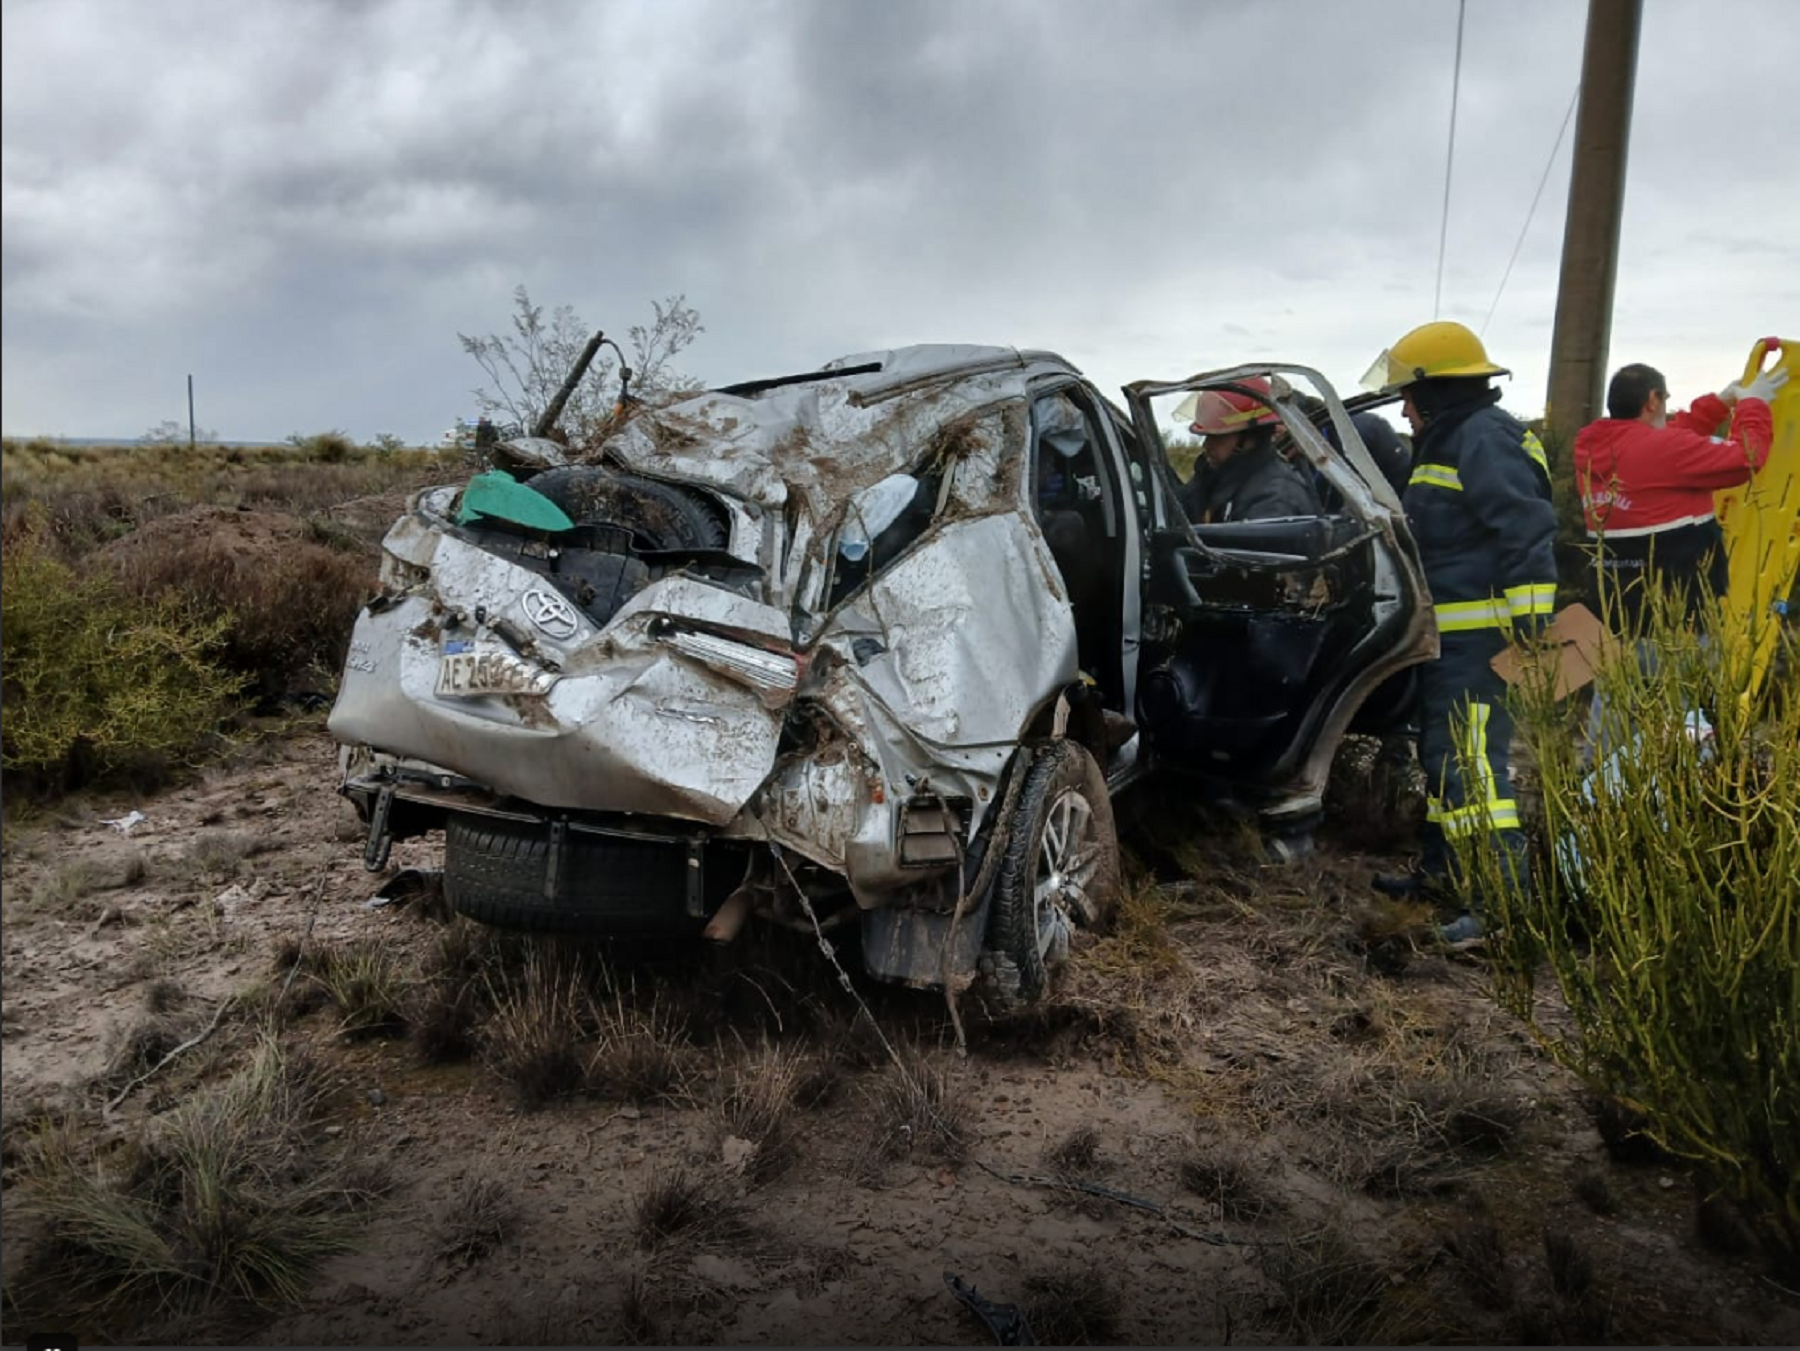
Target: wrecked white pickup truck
column 873, row 645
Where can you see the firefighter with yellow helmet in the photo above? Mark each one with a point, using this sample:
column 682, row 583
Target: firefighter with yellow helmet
column 1478, row 502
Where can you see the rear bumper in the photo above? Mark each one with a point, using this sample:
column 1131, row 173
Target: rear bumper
column 514, row 866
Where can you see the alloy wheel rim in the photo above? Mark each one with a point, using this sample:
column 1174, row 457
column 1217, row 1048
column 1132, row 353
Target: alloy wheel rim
column 1068, row 859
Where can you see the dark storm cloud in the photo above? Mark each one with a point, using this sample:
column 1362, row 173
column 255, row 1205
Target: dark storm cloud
column 305, row 203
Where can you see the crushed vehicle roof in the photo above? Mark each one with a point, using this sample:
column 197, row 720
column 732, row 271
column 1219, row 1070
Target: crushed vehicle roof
column 821, row 436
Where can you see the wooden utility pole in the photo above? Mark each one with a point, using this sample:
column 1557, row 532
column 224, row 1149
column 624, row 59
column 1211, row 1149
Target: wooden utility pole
column 190, row 412
column 1590, row 257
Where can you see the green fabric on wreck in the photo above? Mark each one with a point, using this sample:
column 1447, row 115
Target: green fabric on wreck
column 498, row 494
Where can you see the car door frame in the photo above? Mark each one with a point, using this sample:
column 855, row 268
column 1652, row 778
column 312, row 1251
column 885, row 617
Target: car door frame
column 1293, row 786
column 1107, row 421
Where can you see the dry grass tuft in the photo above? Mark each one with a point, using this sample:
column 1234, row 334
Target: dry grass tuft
column 1625, row 1132
column 1328, row 1293
column 1224, row 1175
column 1137, row 948
column 226, row 1198
column 1073, row 1306
column 368, row 983
column 163, row 995
column 1076, row 1154
column 144, row 1044
column 758, row 1106
column 918, row 1106
column 534, row 1039
column 442, row 1019
column 1572, row 1312
column 637, row 1325
column 219, row 855
column 479, row 1218
column 134, row 870
column 1478, row 1254
column 1402, row 1121
column 675, row 1204
column 1571, row 1269
column 452, row 994
column 1720, row 1225
column 849, row 1040
column 65, row 885
column 1595, row 1191
column 643, row 1055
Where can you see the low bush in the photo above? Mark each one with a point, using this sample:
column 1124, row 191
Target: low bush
column 1074, row 1305
column 98, row 685
column 1666, row 910
column 286, row 596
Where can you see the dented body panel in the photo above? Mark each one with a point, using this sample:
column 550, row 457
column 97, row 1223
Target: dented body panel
column 833, row 658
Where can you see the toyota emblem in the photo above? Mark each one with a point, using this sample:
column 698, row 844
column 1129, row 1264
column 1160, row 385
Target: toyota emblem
column 550, row 612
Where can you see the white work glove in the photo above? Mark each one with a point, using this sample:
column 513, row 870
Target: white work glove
column 1763, row 387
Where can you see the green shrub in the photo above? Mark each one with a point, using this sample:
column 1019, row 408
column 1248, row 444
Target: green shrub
column 95, row 684
column 286, row 598
column 1667, row 911
column 332, row 447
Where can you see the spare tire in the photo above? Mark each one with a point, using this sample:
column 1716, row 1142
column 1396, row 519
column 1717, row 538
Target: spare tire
column 658, row 515
column 497, row 872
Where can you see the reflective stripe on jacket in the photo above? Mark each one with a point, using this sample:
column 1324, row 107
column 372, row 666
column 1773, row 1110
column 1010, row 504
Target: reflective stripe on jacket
column 1635, row 479
column 1647, row 500
column 1479, row 506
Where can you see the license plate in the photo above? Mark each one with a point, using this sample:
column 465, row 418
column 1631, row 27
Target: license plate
column 470, row 674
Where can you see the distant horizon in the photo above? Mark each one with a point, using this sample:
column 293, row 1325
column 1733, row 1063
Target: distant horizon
column 11, row 437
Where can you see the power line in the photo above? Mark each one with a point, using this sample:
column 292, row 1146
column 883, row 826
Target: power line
column 1573, row 98
column 1437, row 299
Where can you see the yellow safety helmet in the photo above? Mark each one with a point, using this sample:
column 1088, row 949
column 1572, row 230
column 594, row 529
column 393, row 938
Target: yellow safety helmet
column 1430, row 352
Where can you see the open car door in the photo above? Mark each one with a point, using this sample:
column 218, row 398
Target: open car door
column 1264, row 638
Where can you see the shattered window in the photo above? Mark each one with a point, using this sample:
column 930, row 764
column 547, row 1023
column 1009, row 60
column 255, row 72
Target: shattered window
column 1068, row 470
column 879, row 524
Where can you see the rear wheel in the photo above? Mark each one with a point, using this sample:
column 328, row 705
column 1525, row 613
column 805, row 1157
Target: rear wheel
column 1060, row 871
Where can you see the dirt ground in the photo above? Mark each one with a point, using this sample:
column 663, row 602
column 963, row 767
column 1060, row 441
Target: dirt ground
column 1237, row 1122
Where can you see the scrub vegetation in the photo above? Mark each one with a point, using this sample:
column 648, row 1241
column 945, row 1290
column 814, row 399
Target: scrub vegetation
column 156, row 595
column 1667, row 916
column 1263, row 1108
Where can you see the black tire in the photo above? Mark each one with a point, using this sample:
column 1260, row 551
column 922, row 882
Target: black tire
column 659, row 515
column 494, row 872
column 1063, row 813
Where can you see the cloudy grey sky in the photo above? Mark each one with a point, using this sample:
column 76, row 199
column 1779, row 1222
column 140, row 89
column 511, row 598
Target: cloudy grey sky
column 303, row 203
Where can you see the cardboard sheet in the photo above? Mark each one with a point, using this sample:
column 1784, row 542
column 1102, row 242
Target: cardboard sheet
column 1576, row 644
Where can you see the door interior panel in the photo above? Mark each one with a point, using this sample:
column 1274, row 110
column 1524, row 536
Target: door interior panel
column 1262, row 617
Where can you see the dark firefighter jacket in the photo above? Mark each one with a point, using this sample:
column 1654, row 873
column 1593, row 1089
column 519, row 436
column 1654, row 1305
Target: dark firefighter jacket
column 1254, row 484
column 1479, row 505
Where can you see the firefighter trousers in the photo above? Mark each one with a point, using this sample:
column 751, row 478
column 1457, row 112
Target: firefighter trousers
column 1465, row 736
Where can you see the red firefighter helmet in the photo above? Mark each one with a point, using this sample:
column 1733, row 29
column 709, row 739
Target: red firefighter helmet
column 1220, row 412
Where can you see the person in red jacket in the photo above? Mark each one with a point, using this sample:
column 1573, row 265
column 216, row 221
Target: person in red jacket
column 1647, row 480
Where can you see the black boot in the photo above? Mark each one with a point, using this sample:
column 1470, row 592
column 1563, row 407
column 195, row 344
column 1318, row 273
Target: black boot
column 1416, row 885
column 1401, row 886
